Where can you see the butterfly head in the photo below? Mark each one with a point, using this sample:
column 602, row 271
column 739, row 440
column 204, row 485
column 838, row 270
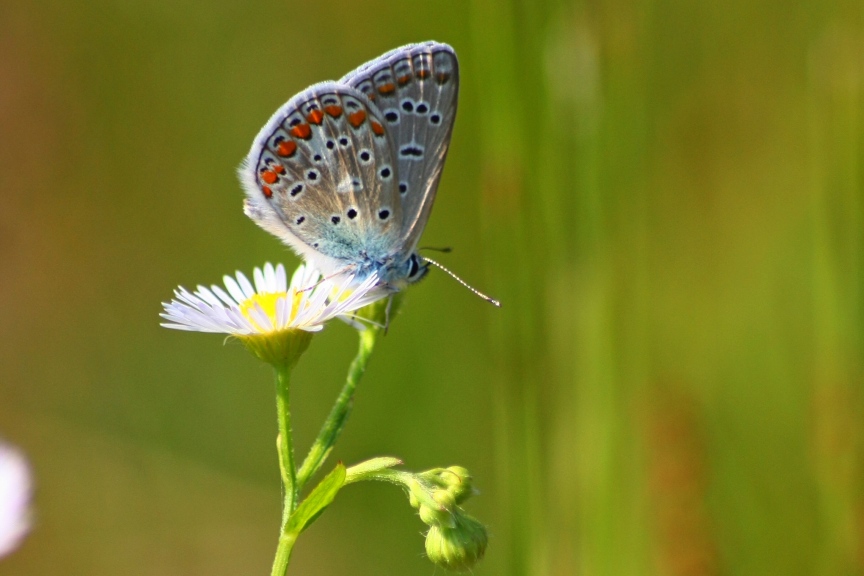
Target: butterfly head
column 417, row 268
column 408, row 272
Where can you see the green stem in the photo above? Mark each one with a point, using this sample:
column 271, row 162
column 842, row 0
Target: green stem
column 283, row 554
column 341, row 410
column 285, row 448
column 284, row 444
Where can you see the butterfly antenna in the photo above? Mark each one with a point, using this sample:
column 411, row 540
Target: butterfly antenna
column 444, row 249
column 462, row 282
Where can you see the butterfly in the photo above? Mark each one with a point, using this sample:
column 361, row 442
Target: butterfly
column 346, row 172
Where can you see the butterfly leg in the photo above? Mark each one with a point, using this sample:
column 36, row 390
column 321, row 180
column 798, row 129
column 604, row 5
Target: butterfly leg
column 387, row 313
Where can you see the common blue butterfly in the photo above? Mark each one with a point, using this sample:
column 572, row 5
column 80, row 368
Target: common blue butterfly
column 346, row 172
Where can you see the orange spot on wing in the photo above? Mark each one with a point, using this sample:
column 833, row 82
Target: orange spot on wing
column 423, row 73
column 267, row 191
column 286, row 148
column 334, row 111
column 387, row 88
column 402, row 80
column 357, row 118
column 442, row 77
column 279, row 169
column 315, row 117
column 269, row 177
column 377, row 128
column 302, row 131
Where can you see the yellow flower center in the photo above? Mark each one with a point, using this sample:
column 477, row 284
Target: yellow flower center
column 267, row 303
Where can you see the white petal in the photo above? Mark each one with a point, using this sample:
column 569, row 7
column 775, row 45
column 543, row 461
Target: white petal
column 180, row 327
column 200, row 321
column 188, row 297
column 261, row 317
column 234, row 289
column 205, row 294
column 297, row 278
column 15, row 490
column 270, row 277
column 247, row 287
column 281, row 279
column 282, row 312
column 260, row 284
column 241, row 320
column 223, row 296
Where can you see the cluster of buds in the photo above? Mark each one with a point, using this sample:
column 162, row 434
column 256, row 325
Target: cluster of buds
column 455, row 540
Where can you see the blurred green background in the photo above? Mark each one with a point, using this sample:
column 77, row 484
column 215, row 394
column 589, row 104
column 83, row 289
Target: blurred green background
column 666, row 195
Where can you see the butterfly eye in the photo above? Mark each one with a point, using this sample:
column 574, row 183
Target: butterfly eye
column 415, row 266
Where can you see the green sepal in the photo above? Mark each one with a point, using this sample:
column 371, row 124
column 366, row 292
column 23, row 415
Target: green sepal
column 280, row 349
column 317, row 501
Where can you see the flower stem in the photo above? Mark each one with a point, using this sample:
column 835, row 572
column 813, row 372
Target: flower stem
column 284, row 443
column 285, row 448
column 341, row 410
column 283, row 554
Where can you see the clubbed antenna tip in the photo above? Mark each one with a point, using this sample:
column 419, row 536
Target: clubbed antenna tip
column 463, row 283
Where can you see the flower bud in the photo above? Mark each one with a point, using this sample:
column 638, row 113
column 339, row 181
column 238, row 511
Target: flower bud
column 433, row 516
column 412, row 500
column 459, row 482
column 445, row 498
column 457, row 548
column 419, row 494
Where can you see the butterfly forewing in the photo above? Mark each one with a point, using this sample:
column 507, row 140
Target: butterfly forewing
column 415, row 87
column 323, row 169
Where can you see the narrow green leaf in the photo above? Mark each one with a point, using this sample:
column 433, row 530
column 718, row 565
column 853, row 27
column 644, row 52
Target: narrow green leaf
column 317, row 501
column 364, row 470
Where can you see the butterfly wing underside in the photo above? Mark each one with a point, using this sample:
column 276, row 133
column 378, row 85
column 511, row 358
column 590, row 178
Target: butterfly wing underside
column 321, row 175
column 415, row 87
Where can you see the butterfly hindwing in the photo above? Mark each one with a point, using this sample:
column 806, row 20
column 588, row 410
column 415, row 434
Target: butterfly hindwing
column 321, row 175
column 415, row 87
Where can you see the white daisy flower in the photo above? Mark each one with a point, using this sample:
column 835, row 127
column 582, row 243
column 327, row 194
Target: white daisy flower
column 15, row 490
column 263, row 314
column 244, row 309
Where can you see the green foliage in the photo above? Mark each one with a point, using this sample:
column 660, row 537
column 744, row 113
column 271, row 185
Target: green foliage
column 317, row 501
